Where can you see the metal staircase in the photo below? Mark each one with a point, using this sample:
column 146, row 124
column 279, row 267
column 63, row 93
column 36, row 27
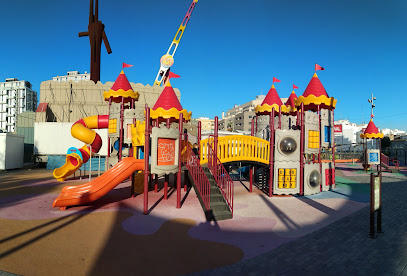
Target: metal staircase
column 219, row 208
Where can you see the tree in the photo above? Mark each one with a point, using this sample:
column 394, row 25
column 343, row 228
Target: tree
column 385, row 142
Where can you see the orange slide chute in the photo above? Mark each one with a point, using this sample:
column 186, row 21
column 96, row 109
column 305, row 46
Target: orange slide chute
column 83, row 131
column 88, row 192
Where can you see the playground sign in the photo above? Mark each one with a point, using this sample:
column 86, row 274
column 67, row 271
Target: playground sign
column 373, row 157
column 375, row 203
column 164, row 150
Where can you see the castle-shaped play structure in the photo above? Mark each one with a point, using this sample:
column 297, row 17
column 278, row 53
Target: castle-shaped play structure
column 291, row 145
column 290, row 150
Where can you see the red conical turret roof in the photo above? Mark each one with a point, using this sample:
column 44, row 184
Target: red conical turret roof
column 272, row 97
column 168, row 105
column 315, row 88
column 121, row 88
column 371, row 131
column 315, row 95
column 290, row 103
column 168, row 99
column 271, row 101
column 291, row 99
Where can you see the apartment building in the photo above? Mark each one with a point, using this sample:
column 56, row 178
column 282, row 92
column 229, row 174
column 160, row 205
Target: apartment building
column 15, row 97
column 239, row 117
column 206, row 123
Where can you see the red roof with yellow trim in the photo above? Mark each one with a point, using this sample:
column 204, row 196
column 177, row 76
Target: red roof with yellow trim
column 168, row 105
column 371, row 131
column 315, row 88
column 121, row 88
column 272, row 100
column 272, row 97
column 168, row 99
column 315, row 95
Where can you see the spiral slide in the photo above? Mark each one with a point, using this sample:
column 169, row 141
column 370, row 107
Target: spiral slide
column 88, row 192
column 83, row 131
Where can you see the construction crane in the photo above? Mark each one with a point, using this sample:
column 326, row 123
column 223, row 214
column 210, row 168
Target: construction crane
column 167, row 60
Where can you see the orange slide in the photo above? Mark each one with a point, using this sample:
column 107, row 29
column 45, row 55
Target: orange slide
column 88, row 192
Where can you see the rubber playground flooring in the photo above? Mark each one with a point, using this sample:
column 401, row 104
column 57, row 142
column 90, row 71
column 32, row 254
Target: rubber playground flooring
column 111, row 236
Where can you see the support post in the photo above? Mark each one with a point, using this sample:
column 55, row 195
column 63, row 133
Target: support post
column 215, row 148
column 271, row 158
column 251, row 178
column 333, row 144
column 156, row 183
column 180, row 128
column 302, row 138
column 121, row 129
column 108, row 139
column 251, row 153
column 199, row 133
column 166, row 180
column 146, row 159
column 279, row 117
column 319, row 148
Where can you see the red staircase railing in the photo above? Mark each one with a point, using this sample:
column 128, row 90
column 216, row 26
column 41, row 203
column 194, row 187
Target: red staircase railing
column 192, row 163
column 384, row 159
column 222, row 178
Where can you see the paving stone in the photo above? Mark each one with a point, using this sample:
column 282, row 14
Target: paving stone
column 343, row 247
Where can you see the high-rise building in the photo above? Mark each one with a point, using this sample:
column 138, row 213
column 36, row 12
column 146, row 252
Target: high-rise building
column 239, row 117
column 15, row 97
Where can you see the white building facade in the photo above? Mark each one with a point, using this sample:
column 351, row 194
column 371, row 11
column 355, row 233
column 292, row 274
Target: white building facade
column 72, row 76
column 15, row 97
column 239, row 117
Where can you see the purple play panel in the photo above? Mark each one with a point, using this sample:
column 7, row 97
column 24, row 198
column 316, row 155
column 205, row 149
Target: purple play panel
column 260, row 223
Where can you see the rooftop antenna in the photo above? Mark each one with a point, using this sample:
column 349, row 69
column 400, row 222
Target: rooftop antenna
column 373, row 105
column 96, row 33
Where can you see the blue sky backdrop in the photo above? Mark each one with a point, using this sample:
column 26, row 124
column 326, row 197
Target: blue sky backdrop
column 230, row 50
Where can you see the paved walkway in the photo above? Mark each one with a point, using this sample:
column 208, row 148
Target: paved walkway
column 343, row 247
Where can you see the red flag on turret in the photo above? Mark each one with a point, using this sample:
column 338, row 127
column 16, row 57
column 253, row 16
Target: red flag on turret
column 126, row 65
column 275, row 80
column 294, row 86
column 173, row 75
column 318, row 67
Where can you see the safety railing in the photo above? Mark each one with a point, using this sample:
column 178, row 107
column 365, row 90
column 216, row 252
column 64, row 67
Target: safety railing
column 222, row 177
column 193, row 165
column 384, row 159
column 238, row 148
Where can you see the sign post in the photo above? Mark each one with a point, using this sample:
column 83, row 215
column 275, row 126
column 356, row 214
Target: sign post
column 375, row 203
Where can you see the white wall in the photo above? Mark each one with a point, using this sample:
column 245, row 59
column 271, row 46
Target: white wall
column 11, row 151
column 52, row 138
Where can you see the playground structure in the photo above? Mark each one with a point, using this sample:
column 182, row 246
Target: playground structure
column 284, row 150
column 286, row 143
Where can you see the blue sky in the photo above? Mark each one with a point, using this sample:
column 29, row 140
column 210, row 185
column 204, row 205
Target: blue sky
column 230, row 50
